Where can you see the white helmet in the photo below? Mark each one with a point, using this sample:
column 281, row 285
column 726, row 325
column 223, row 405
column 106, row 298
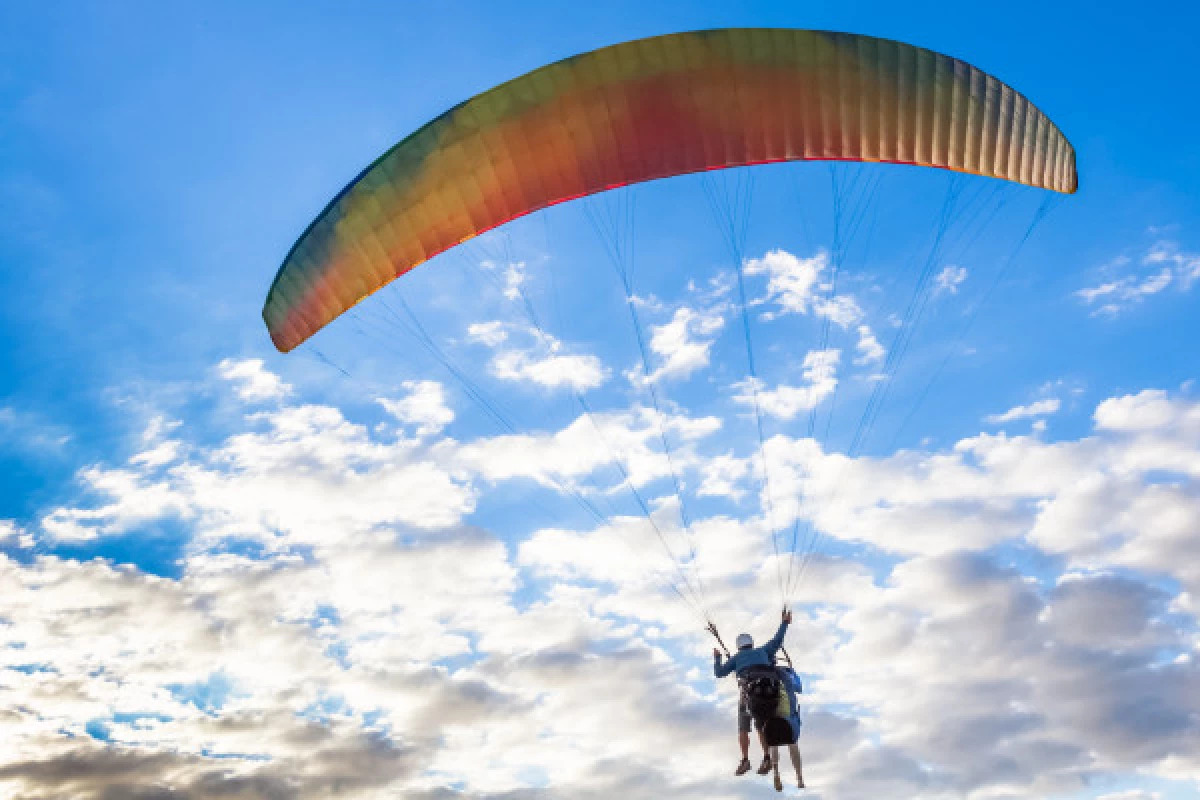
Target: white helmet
column 744, row 640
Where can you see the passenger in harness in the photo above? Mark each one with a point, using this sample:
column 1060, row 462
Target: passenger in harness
column 791, row 687
column 760, row 689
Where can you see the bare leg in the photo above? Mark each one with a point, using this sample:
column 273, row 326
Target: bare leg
column 744, row 743
column 766, row 764
column 775, row 767
column 794, row 752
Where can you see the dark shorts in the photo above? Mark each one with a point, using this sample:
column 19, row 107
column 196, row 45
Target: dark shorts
column 744, row 720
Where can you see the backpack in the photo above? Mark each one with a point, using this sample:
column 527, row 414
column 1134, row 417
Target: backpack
column 782, row 730
column 760, row 687
column 790, row 679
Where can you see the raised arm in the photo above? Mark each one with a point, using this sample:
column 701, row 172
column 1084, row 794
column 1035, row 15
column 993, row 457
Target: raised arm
column 721, row 669
column 772, row 647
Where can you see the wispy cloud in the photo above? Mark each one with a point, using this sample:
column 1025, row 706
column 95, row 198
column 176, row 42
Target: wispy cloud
column 1160, row 267
column 949, row 279
column 1038, row 408
column 513, row 276
column 490, row 333
column 541, row 361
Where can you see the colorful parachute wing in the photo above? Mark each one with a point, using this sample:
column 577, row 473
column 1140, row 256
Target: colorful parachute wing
column 649, row 109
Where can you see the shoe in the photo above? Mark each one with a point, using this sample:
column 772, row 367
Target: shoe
column 778, row 783
column 743, row 767
column 800, row 783
column 766, row 766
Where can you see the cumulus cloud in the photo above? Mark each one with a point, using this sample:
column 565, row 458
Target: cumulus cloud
column 796, row 286
column 589, row 444
column 842, row 309
column 135, row 497
column 723, row 476
column 490, row 333
column 785, row 402
column 684, row 344
column 303, row 471
column 578, row 372
column 870, row 351
column 338, row 626
column 792, row 282
column 1148, row 410
column 424, row 406
column 1032, row 710
column 13, row 535
column 253, row 382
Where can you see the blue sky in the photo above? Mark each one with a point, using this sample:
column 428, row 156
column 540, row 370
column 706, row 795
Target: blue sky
column 156, row 162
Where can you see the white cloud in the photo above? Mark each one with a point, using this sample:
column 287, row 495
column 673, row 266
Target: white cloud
column 490, row 333
column 306, row 476
column 252, row 380
column 1147, row 410
column 424, row 406
column 578, row 372
column 685, row 343
column 1163, row 265
column 843, row 310
column 13, row 535
column 513, row 274
column 723, row 476
column 367, row 657
column 792, row 282
column 30, row 433
column 588, row 445
column 949, row 279
column 796, row 285
column 137, row 497
column 1038, row 408
column 870, row 351
column 1185, row 266
column 785, row 402
column 1115, row 296
column 542, row 362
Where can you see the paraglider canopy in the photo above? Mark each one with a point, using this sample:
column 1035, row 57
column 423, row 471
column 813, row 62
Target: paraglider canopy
column 649, row 109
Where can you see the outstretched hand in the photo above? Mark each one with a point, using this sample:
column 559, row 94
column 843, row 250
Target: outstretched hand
column 787, row 616
column 716, row 654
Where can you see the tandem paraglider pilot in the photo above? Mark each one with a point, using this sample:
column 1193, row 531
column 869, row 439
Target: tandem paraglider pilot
column 766, row 700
